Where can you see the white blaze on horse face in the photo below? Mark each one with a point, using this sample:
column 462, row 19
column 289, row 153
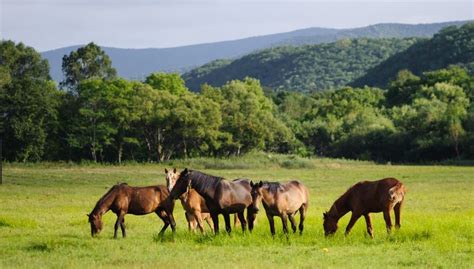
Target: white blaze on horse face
column 171, row 179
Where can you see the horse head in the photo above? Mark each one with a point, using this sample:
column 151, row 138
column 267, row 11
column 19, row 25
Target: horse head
column 256, row 194
column 181, row 185
column 96, row 224
column 171, row 178
column 329, row 223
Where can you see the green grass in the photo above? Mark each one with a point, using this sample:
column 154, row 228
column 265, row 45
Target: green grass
column 43, row 221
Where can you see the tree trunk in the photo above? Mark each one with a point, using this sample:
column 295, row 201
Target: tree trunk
column 120, row 151
column 185, row 149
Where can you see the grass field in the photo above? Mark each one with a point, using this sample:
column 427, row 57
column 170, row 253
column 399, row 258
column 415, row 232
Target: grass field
column 43, row 219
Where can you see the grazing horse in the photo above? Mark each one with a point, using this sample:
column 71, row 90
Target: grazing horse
column 123, row 199
column 221, row 196
column 194, row 205
column 282, row 200
column 366, row 197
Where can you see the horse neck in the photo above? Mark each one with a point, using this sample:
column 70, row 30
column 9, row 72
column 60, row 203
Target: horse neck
column 267, row 196
column 339, row 208
column 206, row 187
column 104, row 204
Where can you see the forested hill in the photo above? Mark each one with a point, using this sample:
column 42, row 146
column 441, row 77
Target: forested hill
column 452, row 45
column 303, row 68
column 139, row 63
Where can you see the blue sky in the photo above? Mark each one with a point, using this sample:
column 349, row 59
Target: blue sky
column 49, row 24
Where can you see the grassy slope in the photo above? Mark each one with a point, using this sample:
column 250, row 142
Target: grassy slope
column 43, row 222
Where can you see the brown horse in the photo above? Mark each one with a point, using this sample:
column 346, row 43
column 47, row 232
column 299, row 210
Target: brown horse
column 123, row 199
column 221, row 196
column 282, row 200
column 193, row 203
column 366, row 197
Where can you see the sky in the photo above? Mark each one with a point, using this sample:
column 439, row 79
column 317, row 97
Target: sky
column 50, row 24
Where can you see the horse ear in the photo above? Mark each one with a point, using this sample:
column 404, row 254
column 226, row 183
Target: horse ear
column 88, row 215
column 166, row 171
column 185, row 171
column 325, row 214
column 251, row 183
column 174, row 170
column 260, row 184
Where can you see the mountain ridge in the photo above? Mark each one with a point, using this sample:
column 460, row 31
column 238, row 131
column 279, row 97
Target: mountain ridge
column 137, row 63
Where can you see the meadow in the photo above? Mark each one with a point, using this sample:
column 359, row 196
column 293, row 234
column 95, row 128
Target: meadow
column 43, row 218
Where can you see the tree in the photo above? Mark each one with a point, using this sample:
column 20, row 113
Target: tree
column 28, row 101
column 248, row 117
column 155, row 120
column 87, row 62
column 172, row 83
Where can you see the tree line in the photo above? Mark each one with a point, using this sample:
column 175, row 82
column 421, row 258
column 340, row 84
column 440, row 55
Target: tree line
column 95, row 115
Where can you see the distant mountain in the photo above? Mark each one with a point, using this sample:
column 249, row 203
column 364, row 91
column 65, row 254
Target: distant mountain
column 304, row 68
column 451, row 46
column 138, row 63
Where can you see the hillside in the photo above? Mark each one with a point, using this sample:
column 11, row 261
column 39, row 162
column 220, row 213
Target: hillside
column 138, row 63
column 451, row 45
column 303, row 68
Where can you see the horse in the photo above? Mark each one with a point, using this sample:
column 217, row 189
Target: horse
column 194, row 205
column 367, row 197
column 123, row 199
column 221, row 196
column 283, row 200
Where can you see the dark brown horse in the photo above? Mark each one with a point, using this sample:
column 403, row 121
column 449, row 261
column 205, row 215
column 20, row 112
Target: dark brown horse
column 221, row 196
column 366, row 197
column 123, row 199
column 282, row 200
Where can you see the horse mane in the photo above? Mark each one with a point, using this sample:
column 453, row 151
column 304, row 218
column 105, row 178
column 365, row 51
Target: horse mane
column 204, row 181
column 274, row 186
column 340, row 202
column 105, row 197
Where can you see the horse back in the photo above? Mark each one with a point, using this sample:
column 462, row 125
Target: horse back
column 145, row 200
column 376, row 196
column 233, row 195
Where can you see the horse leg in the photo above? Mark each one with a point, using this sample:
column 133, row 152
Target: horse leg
column 236, row 220
column 209, row 221
column 172, row 221
column 122, row 227
column 272, row 224
column 368, row 221
column 118, row 222
column 198, row 217
column 215, row 219
column 161, row 215
column 353, row 220
column 292, row 221
column 302, row 217
column 397, row 209
column 227, row 223
column 284, row 221
column 388, row 220
column 250, row 218
column 189, row 220
column 242, row 220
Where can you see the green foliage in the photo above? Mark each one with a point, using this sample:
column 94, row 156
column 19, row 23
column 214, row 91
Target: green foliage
column 304, row 68
column 87, row 62
column 248, row 117
column 28, row 102
column 172, row 83
column 452, row 45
